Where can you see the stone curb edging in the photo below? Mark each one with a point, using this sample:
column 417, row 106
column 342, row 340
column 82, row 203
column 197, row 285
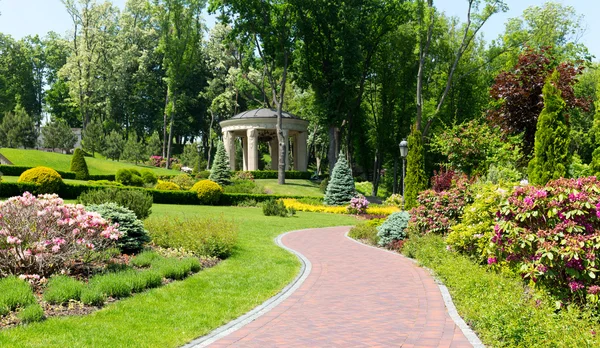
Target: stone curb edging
column 263, row 308
column 452, row 312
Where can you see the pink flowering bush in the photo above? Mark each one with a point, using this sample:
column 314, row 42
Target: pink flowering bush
column 438, row 211
column 551, row 236
column 358, row 205
column 41, row 235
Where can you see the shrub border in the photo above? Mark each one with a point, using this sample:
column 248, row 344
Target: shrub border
column 10, row 170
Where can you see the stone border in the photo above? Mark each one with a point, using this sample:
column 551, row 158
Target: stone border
column 452, row 312
column 263, row 308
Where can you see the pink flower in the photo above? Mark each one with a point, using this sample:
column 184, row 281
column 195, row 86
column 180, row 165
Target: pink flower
column 56, row 248
column 13, row 240
column 575, row 286
column 492, row 260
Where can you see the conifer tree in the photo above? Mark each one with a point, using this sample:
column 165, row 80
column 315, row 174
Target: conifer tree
column 595, row 132
column 416, row 179
column 220, row 172
column 340, row 189
column 79, row 166
column 551, row 157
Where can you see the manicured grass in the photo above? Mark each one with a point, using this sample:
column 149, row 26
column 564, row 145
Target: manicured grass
column 179, row 312
column 293, row 187
column 68, row 181
column 33, row 158
column 498, row 307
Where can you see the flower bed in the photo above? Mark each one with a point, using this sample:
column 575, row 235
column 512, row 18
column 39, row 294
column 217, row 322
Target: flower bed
column 371, row 210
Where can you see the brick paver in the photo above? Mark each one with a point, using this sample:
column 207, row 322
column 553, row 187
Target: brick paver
column 355, row 296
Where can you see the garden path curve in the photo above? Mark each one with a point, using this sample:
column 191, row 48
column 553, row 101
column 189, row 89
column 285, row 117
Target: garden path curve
column 354, row 296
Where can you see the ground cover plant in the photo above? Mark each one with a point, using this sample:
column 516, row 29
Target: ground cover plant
column 303, row 205
column 57, row 161
column 256, row 270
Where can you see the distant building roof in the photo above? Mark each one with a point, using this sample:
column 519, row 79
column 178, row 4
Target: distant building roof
column 263, row 113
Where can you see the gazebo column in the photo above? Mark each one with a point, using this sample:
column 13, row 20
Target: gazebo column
column 300, row 155
column 252, row 153
column 286, row 141
column 229, row 142
column 274, row 152
column 245, row 152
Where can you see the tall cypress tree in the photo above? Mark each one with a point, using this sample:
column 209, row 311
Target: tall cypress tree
column 416, row 179
column 551, row 158
column 340, row 189
column 220, row 171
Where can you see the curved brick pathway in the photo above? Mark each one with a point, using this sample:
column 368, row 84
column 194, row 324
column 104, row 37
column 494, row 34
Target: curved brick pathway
column 355, row 296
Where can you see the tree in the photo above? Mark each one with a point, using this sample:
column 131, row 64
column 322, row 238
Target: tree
column 551, row 158
column 220, row 172
column 93, row 137
column 113, row 145
column 133, row 150
column 153, row 146
column 517, row 94
column 58, row 135
column 340, row 189
column 18, row 129
column 416, row 179
column 79, row 166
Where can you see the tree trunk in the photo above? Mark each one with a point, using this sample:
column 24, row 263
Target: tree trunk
column 164, row 150
column 333, row 147
column 210, row 141
column 170, row 144
column 375, row 174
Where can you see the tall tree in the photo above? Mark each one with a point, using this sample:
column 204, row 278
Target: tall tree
column 58, row 135
column 18, row 129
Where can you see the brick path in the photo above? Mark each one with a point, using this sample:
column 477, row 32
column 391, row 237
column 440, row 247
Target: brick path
column 355, row 296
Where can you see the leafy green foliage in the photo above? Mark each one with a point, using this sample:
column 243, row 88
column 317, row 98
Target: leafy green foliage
column 18, row 129
column 167, row 186
column 552, row 157
column 148, row 177
column 340, row 189
column 129, row 177
column 79, row 166
column 184, row 181
column 277, row 208
column 243, row 186
column 32, row 313
column 134, row 235
column 14, row 293
column 92, row 296
column 144, row 259
column 92, row 137
column 113, row 145
column 138, row 201
column 48, row 179
column 58, row 135
column 209, row 192
column 133, row 150
column 416, row 179
column 364, row 232
column 393, row 229
column 220, row 171
column 62, row 288
column 204, row 236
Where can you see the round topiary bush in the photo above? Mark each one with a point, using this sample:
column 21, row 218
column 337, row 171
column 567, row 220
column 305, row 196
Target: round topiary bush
column 134, row 235
column 393, row 229
column 209, row 192
column 48, row 179
column 149, row 177
column 167, row 186
column 129, row 177
column 79, row 166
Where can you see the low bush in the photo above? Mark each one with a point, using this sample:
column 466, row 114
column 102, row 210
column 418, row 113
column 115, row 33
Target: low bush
column 438, row 211
column 61, row 289
column 209, row 192
column 395, row 200
column 184, row 181
column 244, row 175
column 497, row 306
column 104, row 183
column 203, row 175
column 14, row 293
column 107, row 177
column 202, row 236
column 167, row 186
column 364, row 232
column 277, row 208
column 393, row 229
column 243, row 186
column 365, row 188
column 92, row 296
column 129, row 177
column 138, row 201
column 31, row 314
column 63, row 234
column 144, row 259
column 47, row 179
column 172, row 268
column 133, row 234
column 358, row 205
column 148, row 177
column 147, row 279
column 117, row 285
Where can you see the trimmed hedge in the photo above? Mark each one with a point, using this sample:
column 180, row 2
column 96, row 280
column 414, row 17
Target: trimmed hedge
column 96, row 177
column 18, row 170
column 272, row 174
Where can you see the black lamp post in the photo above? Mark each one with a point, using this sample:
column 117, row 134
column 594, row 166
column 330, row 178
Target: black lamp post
column 199, row 148
column 403, row 153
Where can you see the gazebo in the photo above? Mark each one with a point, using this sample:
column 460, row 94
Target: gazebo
column 260, row 125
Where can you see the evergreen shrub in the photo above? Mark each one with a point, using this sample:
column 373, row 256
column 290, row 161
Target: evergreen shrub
column 220, row 171
column 148, row 177
column 416, row 179
column 393, row 229
column 208, row 191
column 340, row 189
column 138, row 201
column 129, row 177
column 277, row 208
column 134, row 235
column 78, row 165
column 48, row 179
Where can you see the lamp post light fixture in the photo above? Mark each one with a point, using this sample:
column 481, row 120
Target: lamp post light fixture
column 403, row 153
column 199, row 148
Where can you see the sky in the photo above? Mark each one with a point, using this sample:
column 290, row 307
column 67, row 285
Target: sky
column 20, row 18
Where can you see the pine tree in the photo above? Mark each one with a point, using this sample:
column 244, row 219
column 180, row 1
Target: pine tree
column 114, row 144
column 58, row 135
column 551, row 157
column 416, row 179
column 18, row 129
column 154, row 146
column 340, row 189
column 93, row 136
column 133, row 151
column 220, row 171
column 79, row 166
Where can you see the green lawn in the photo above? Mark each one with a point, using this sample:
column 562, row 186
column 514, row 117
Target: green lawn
column 69, row 181
column 179, row 312
column 33, row 158
column 295, row 187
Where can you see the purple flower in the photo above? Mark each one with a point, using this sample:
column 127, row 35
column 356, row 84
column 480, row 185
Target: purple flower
column 492, row 260
column 575, row 286
column 528, row 200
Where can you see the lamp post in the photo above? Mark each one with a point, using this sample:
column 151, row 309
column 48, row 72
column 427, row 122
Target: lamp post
column 403, row 153
column 199, row 148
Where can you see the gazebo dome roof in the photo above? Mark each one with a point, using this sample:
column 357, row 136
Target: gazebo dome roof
column 263, row 113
